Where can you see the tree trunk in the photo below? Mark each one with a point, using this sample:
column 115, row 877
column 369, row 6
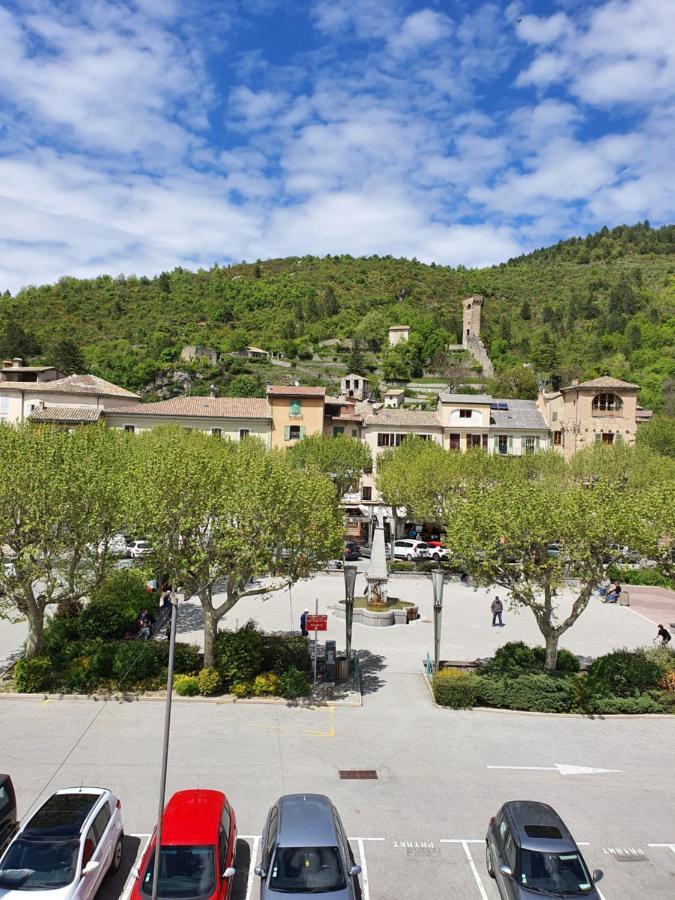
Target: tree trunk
column 36, row 624
column 210, row 632
column 551, row 653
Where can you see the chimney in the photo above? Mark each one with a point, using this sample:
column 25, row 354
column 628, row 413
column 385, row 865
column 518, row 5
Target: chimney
column 17, row 362
column 212, row 390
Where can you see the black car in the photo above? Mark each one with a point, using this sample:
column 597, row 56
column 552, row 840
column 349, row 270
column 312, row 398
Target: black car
column 530, row 853
column 351, row 551
column 8, row 821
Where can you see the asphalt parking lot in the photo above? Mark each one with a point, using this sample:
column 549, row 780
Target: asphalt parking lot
column 417, row 829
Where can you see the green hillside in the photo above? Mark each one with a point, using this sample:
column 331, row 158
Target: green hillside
column 601, row 304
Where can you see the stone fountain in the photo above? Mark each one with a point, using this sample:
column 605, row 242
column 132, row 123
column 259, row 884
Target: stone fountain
column 377, row 576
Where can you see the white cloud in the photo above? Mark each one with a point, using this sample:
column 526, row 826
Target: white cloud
column 537, row 30
column 419, row 29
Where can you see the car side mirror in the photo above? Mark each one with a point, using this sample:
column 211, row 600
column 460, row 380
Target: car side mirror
column 506, row 871
column 91, row 866
column 355, row 870
column 229, row 872
column 597, row 875
column 259, row 871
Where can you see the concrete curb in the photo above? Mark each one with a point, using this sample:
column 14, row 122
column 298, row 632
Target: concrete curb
column 545, row 715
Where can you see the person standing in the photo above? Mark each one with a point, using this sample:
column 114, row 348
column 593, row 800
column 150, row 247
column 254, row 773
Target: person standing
column 664, row 634
column 303, row 623
column 497, row 608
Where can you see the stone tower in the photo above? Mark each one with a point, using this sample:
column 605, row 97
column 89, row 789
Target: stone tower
column 471, row 320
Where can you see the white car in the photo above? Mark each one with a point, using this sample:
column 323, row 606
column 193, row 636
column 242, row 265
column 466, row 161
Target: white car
column 116, row 545
column 439, row 554
column 411, row 549
column 65, row 849
column 139, row 549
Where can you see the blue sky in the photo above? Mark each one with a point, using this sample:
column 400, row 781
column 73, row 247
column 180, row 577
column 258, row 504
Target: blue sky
column 139, row 135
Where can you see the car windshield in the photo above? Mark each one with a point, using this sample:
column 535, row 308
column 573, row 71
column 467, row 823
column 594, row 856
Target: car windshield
column 307, row 870
column 183, row 872
column 34, row 864
column 564, row 873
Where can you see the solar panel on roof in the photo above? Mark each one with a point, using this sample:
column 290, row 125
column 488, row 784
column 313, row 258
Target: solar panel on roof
column 503, row 405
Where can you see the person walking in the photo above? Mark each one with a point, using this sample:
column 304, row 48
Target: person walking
column 664, row 634
column 303, row 623
column 497, row 608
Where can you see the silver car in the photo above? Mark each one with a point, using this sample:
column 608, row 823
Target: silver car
column 305, row 851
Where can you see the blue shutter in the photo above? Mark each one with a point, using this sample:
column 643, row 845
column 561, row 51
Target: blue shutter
column 287, row 432
column 302, row 432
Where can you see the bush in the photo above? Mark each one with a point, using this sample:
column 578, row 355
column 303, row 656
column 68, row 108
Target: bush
column 663, row 657
column 266, row 684
column 639, row 704
column 186, row 685
column 186, row 657
column 294, row 683
column 209, row 681
column 281, row 652
column 455, row 688
column 623, row 673
column 516, row 658
column 650, row 577
column 61, row 639
column 106, row 619
column 127, row 588
column 239, row 654
column 78, row 677
column 31, row 676
column 534, row 692
column 135, row 662
column 103, row 661
column 241, row 689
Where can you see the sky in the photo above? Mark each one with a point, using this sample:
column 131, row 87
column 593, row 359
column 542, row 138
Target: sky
column 141, row 135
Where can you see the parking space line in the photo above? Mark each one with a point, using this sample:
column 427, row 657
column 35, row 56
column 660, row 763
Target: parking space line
column 364, row 868
column 254, row 860
column 670, row 846
column 479, row 883
column 462, row 841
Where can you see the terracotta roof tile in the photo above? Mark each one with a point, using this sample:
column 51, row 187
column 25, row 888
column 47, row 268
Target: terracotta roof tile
column 605, row 381
column 73, row 384
column 211, row 407
column 410, row 417
column 66, row 414
column 289, row 390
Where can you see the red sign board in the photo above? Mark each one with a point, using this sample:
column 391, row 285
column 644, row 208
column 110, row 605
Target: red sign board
column 317, row 623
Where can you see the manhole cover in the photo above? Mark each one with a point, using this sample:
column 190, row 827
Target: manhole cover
column 358, row 774
column 627, row 854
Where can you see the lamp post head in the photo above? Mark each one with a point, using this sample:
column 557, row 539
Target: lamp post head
column 350, row 573
column 437, row 581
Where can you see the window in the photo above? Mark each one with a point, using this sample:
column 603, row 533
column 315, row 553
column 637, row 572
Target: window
column 557, row 438
column 4, row 407
column 606, row 404
column 530, row 443
column 355, row 432
column 348, row 383
column 338, row 429
column 226, row 822
column 356, row 383
column 90, row 844
column 454, row 442
column 243, row 433
column 473, row 440
column 465, row 413
column 217, row 432
column 101, row 821
column 510, row 852
column 604, row 437
column 384, row 440
column 424, row 437
column 367, row 493
column 130, row 428
column 503, row 444
column 294, row 432
column 295, row 407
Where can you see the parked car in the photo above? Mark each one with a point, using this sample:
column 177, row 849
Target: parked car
column 365, row 550
column 116, row 545
column 305, row 851
column 140, row 549
column 8, row 821
column 438, row 553
column 351, row 551
column 197, row 856
column 411, row 549
column 66, row 848
column 530, row 853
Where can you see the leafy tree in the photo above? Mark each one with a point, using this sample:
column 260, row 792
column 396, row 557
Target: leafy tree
column 503, row 522
column 356, row 361
column 525, row 312
column 517, row 381
column 340, row 458
column 330, row 300
column 658, row 435
column 395, row 364
column 17, row 342
column 219, row 513
column 66, row 355
column 244, row 386
column 63, row 498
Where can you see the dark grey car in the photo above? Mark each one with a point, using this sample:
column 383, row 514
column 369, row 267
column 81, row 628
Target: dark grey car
column 305, row 851
column 531, row 854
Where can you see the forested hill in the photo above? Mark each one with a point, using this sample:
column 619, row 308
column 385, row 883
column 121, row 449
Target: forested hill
column 601, row 304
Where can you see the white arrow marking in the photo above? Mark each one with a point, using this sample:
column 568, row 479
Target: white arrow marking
column 562, row 768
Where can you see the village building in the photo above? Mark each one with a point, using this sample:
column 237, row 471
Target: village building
column 398, row 333
column 355, row 386
column 296, row 412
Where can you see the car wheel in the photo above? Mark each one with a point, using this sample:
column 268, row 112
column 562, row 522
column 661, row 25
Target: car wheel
column 409, row 557
column 436, row 557
column 117, row 855
column 488, row 860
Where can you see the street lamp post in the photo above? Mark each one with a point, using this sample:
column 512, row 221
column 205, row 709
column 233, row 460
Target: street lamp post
column 437, row 581
column 165, row 747
column 350, row 572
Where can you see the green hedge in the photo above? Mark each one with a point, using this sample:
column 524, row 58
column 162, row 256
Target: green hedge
column 32, row 676
column 239, row 654
column 455, row 688
column 294, row 683
column 623, row 673
column 649, row 577
column 282, row 652
column 532, row 692
column 516, row 658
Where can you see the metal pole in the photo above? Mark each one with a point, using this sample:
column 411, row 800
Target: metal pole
column 316, row 635
column 438, row 611
column 165, row 748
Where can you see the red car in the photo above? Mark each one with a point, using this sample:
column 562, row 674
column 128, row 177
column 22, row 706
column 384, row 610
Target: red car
column 197, row 857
